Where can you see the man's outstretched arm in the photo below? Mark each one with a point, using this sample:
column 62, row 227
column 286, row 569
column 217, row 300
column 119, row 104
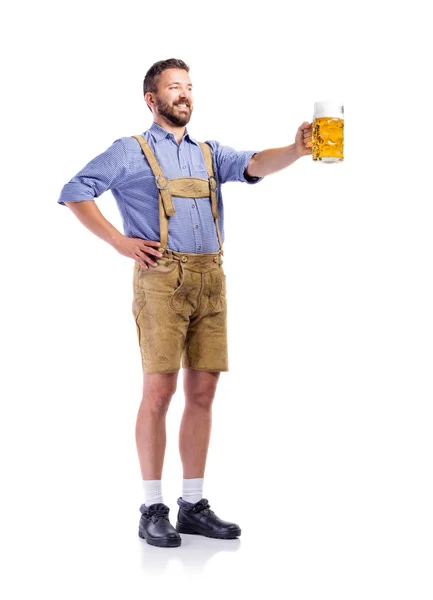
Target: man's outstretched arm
column 272, row 160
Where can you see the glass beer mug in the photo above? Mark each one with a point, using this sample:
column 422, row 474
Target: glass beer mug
column 328, row 132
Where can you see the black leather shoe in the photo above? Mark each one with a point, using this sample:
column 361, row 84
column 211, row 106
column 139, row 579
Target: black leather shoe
column 155, row 528
column 198, row 519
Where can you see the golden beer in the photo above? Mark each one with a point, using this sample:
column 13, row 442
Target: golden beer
column 328, row 132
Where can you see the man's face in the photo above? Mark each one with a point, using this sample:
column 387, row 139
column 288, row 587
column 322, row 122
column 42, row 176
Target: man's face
column 173, row 100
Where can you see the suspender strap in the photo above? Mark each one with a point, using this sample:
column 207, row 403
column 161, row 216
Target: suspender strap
column 162, row 182
column 163, row 227
column 166, row 207
column 205, row 148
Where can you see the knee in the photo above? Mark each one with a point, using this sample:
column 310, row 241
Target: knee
column 159, row 404
column 201, row 399
column 158, row 400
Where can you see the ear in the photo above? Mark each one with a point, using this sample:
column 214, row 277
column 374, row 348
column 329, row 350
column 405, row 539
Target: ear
column 148, row 98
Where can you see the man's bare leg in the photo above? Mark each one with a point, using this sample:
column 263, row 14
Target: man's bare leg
column 194, row 437
column 195, row 427
column 150, row 433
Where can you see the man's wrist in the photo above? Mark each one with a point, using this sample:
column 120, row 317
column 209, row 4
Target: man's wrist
column 115, row 237
column 296, row 151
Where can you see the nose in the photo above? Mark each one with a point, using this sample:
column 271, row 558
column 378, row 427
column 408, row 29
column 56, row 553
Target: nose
column 184, row 93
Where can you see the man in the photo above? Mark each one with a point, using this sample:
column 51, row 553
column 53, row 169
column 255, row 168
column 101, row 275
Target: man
column 168, row 190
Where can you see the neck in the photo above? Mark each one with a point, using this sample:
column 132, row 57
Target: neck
column 178, row 132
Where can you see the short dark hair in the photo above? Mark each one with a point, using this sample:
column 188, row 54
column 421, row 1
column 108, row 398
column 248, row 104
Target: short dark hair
column 150, row 83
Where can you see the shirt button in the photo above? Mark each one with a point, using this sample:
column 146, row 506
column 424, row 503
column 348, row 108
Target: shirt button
column 198, row 247
column 196, row 226
column 193, row 205
column 183, row 167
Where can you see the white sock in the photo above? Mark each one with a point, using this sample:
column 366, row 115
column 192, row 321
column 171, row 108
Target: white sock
column 192, row 490
column 152, row 491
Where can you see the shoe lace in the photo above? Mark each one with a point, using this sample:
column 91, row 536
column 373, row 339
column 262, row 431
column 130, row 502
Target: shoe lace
column 157, row 512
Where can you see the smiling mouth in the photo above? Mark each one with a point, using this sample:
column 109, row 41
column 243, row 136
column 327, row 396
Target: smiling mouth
column 182, row 106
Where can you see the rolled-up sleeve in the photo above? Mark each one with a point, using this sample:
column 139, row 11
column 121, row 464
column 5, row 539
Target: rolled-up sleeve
column 106, row 171
column 231, row 164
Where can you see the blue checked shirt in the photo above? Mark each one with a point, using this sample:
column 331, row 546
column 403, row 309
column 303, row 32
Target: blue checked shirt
column 124, row 170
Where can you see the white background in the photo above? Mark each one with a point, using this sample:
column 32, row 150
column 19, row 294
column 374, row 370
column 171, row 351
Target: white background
column 321, row 447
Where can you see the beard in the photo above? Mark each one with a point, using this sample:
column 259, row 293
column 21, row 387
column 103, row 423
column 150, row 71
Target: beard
column 172, row 114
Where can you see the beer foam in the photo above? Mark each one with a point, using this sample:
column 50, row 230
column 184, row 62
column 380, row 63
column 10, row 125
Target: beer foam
column 329, row 108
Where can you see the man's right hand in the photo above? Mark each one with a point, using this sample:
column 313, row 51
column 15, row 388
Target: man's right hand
column 142, row 251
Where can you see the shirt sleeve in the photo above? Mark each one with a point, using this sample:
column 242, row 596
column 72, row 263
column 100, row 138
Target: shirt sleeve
column 106, row 171
column 231, row 164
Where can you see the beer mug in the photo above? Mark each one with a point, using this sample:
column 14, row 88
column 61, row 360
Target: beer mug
column 328, row 132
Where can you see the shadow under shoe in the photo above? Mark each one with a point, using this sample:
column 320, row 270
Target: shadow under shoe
column 197, row 518
column 155, row 527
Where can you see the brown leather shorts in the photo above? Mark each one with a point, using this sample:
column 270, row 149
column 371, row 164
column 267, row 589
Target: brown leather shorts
column 180, row 310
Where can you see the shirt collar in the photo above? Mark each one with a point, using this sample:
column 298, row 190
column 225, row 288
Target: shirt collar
column 160, row 134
